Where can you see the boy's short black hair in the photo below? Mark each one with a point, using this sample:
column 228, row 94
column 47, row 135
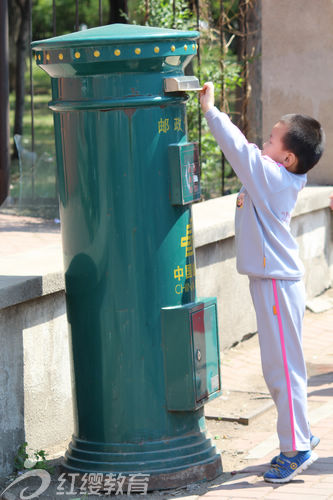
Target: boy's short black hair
column 305, row 138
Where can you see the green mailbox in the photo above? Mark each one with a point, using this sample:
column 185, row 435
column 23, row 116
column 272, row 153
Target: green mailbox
column 145, row 349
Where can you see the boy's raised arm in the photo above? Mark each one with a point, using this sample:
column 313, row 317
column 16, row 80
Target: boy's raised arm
column 244, row 158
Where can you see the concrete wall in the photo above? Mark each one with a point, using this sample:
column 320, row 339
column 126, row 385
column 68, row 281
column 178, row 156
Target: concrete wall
column 35, row 383
column 297, row 69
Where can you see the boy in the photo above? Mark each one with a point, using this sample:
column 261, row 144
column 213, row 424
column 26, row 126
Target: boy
column 268, row 254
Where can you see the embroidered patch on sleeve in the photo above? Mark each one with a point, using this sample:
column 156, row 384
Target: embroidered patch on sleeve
column 240, row 200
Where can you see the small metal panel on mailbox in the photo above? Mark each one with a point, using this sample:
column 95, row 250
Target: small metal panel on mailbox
column 184, row 173
column 191, row 354
column 205, row 352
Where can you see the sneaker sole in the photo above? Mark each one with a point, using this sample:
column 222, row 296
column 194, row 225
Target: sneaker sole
column 313, row 444
column 299, row 469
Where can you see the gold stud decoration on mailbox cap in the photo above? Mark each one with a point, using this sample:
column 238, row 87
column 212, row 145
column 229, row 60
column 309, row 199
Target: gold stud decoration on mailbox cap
column 111, row 44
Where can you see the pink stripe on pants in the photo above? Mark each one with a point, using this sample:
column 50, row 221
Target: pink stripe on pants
column 285, row 364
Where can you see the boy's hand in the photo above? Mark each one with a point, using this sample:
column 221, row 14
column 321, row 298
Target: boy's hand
column 207, row 97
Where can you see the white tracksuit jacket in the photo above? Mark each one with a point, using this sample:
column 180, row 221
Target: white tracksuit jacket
column 265, row 246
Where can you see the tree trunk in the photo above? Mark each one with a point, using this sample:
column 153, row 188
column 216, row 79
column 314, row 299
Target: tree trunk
column 242, row 55
column 21, row 50
column 116, row 9
column 255, row 77
column 13, row 28
column 4, row 104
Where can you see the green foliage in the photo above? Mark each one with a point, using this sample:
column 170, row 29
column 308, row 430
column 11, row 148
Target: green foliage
column 38, row 461
column 41, row 461
column 65, row 16
column 161, row 14
column 211, row 161
column 41, row 79
column 230, row 7
column 21, row 457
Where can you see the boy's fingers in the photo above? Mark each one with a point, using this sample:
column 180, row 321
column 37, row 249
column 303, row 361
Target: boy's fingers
column 209, row 85
column 206, row 86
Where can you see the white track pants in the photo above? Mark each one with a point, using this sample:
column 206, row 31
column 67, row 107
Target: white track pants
column 279, row 306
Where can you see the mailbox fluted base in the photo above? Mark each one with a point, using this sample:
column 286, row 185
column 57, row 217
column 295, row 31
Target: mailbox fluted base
column 204, row 472
column 169, row 463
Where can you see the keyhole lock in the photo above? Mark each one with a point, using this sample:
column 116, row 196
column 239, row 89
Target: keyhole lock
column 198, row 355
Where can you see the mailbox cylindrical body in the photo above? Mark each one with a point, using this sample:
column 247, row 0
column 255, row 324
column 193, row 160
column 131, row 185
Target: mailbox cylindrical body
column 128, row 251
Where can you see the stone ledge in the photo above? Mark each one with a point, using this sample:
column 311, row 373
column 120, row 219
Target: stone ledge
column 213, row 220
column 17, row 289
column 313, row 198
column 30, row 259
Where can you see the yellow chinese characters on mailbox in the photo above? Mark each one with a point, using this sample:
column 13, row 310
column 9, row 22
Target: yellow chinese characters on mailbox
column 185, row 274
column 164, row 125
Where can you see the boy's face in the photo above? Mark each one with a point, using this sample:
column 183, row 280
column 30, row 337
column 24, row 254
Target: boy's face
column 274, row 147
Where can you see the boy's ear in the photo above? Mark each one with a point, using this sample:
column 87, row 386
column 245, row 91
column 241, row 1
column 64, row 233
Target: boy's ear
column 290, row 160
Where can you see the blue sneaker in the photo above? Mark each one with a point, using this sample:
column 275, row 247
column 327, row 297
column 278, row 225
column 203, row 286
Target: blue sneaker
column 314, row 441
column 286, row 468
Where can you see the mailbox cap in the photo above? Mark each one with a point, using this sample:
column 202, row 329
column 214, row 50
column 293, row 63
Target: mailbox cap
column 114, row 34
column 115, row 47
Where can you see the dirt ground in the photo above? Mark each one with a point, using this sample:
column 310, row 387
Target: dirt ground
column 225, row 435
